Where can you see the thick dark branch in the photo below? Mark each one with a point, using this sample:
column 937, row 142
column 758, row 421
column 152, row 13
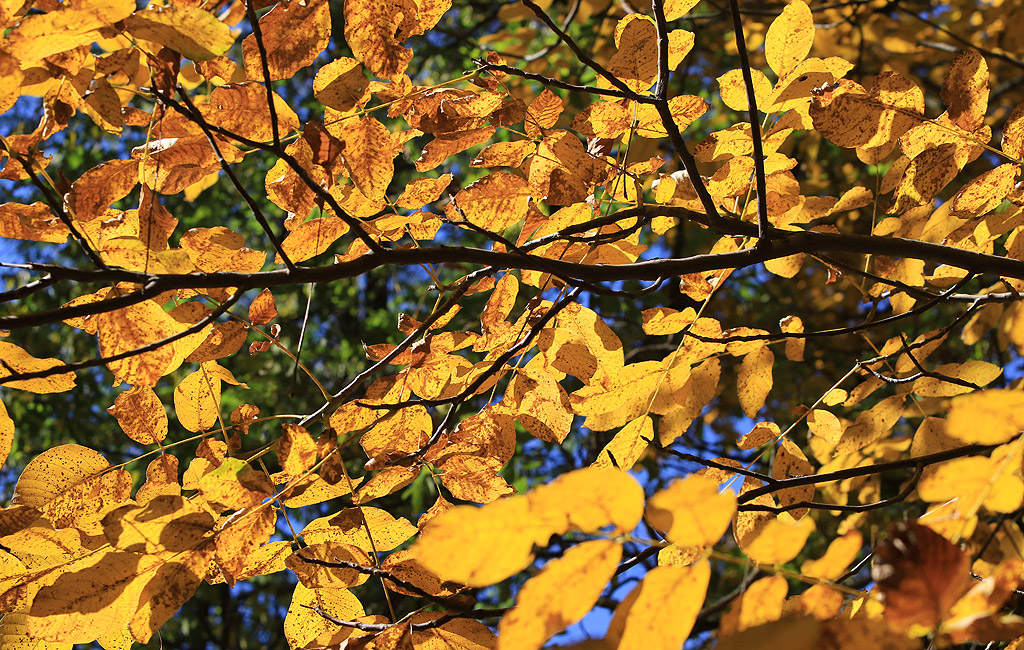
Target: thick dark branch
column 783, row 244
column 27, row 290
column 755, row 124
column 814, row 505
column 868, row 470
column 257, row 34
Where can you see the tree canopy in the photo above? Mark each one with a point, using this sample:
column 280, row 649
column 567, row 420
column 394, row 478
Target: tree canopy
column 415, row 324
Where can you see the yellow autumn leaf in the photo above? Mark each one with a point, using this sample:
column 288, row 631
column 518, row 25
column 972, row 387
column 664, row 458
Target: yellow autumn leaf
column 760, row 603
column 193, row 32
column 841, row 552
column 973, row 482
column 341, row 84
column 356, row 526
column 19, row 361
column 302, row 623
column 985, row 192
column 871, row 425
column 1001, row 410
column 6, row 434
column 692, row 511
column 422, row 191
column 789, row 38
column 965, row 90
column 602, row 119
column 125, row 330
column 294, row 34
column 495, row 202
column 55, row 470
column 164, row 524
column 677, row 8
column 234, row 485
column 660, row 611
column 628, row 445
column 980, row 373
column 734, row 90
column 771, row 539
column 197, row 399
column 141, row 415
column 376, row 31
column 479, row 547
column 561, row 594
column 755, row 380
column 588, row 500
column 63, row 28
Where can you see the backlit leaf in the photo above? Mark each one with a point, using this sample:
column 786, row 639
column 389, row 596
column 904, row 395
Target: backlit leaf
column 755, row 380
column 789, row 38
column 294, row 34
column 195, row 33
column 19, row 361
column 561, row 594
column 1001, row 410
column 660, row 611
column 692, row 511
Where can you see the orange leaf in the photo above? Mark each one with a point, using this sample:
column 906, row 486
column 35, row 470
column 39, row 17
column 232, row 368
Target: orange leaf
column 294, row 34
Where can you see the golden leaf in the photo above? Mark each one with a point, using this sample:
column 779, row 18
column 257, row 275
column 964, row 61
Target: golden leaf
column 789, row 462
column 296, row 451
column 677, row 8
column 974, row 482
column 141, row 415
column 351, row 524
column 317, row 576
column 789, row 38
column 341, row 84
column 561, row 594
column 190, row 31
column 302, row 624
column 636, row 60
column 165, row 524
column 602, row 120
column 965, row 90
column 1013, row 133
column 692, row 511
column 98, row 188
column 234, row 485
column 589, row 499
column 479, row 547
column 55, row 470
column 294, row 34
column 734, row 89
column 239, row 552
column 495, row 202
column 542, row 113
column 660, row 611
column 19, row 361
column 841, row 552
column 64, row 28
column 243, row 109
column 376, row 31
column 755, row 380
column 1002, row 411
column 871, row 425
column 628, row 445
column 760, row 603
column 985, row 192
column 422, row 191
